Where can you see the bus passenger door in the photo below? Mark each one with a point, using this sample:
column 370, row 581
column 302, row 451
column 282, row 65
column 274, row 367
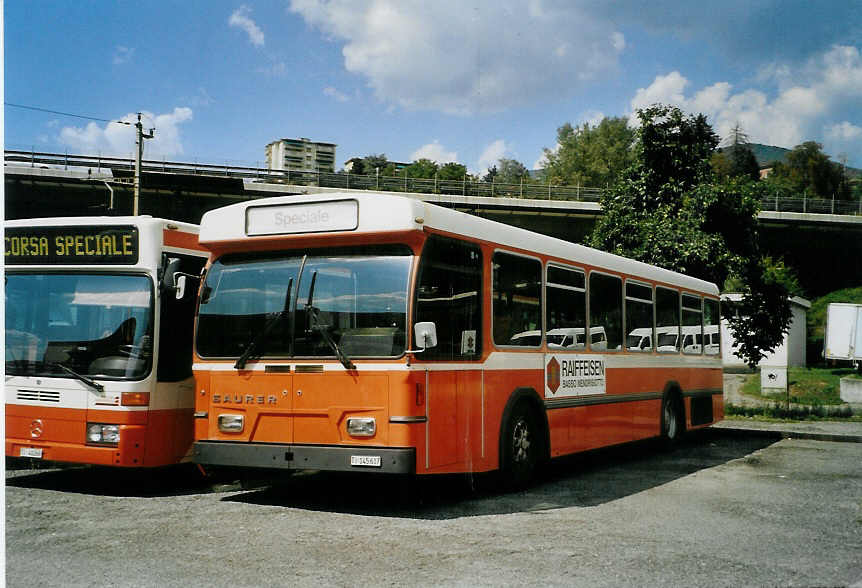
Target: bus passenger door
column 449, row 294
column 455, row 417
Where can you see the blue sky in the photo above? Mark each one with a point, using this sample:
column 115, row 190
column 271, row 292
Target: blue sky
column 466, row 80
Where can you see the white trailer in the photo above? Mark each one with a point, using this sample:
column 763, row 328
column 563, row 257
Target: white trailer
column 843, row 338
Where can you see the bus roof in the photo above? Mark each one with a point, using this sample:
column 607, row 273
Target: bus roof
column 374, row 212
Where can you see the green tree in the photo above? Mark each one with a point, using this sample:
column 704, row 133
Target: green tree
column 373, row 164
column 355, row 165
column 492, row 174
column 369, row 165
column 452, row 171
column 807, row 170
column 421, row 168
column 668, row 210
column 590, row 155
column 736, row 159
column 511, row 171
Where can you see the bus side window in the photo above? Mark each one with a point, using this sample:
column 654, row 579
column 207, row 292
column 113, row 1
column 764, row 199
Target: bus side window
column 667, row 320
column 606, row 312
column 711, row 332
column 177, row 327
column 639, row 317
column 692, row 328
column 517, row 300
column 566, row 314
column 448, row 293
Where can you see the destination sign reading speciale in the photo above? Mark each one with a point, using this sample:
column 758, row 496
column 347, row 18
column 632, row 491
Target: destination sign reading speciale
column 107, row 245
column 309, row 217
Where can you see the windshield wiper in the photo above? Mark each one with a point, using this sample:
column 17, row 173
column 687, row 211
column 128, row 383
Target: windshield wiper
column 267, row 328
column 312, row 312
column 88, row 381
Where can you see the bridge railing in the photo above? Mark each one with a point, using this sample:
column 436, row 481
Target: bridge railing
column 399, row 183
column 812, row 205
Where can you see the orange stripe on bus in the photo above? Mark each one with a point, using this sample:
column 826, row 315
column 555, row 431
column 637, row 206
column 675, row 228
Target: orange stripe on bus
column 181, row 239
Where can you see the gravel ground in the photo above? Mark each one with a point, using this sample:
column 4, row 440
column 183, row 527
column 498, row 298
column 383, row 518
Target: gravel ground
column 715, row 511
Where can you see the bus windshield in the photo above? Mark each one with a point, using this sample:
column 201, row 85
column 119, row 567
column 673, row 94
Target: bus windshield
column 346, row 303
column 78, row 324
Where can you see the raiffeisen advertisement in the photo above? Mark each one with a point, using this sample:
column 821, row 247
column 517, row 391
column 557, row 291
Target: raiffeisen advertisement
column 574, row 375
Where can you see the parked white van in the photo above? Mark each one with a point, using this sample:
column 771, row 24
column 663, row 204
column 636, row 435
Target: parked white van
column 574, row 338
column 639, row 339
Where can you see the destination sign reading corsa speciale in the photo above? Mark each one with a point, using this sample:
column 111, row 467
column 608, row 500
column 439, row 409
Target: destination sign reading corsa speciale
column 109, row 245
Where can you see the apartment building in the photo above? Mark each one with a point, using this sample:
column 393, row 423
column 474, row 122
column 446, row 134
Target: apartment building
column 300, row 154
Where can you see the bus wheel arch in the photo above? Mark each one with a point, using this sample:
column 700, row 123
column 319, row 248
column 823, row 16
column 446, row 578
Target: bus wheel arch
column 524, row 438
column 672, row 413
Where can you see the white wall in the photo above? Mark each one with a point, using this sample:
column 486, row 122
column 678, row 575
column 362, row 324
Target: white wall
column 790, row 353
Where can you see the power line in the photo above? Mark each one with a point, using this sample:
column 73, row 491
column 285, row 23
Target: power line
column 119, row 122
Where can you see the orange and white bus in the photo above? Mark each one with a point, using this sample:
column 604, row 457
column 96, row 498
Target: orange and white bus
column 377, row 332
column 98, row 343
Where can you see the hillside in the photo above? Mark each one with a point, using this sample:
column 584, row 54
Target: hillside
column 768, row 154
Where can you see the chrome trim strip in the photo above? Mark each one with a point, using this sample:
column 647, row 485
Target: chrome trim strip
column 551, row 403
column 427, row 429
column 408, row 419
column 483, row 413
column 704, row 392
column 201, row 414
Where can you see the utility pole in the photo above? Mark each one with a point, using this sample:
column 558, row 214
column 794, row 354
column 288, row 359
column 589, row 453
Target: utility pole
column 139, row 143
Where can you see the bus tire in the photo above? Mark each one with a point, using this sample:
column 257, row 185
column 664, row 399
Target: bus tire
column 522, row 447
column 672, row 419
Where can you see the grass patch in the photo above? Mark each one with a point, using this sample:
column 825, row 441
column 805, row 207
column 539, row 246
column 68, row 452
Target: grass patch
column 795, row 412
column 815, row 387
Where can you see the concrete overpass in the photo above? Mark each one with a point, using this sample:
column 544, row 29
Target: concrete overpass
column 821, row 239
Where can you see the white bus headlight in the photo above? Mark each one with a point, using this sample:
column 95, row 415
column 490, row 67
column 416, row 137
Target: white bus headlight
column 362, row 427
column 102, row 434
column 230, row 423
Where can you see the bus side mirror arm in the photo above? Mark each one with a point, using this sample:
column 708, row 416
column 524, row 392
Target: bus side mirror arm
column 174, row 280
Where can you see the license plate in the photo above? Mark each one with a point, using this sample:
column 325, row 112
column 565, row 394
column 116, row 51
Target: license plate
column 31, row 452
column 365, row 460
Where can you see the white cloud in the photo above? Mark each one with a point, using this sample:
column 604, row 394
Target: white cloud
column 665, row 89
column 492, row 154
column 844, row 131
column 241, row 20
column 123, row 54
column 464, row 58
column 804, row 100
column 435, row 152
column 119, row 139
column 334, row 93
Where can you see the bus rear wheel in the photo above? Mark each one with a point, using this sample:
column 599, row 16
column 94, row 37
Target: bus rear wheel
column 671, row 419
column 521, row 448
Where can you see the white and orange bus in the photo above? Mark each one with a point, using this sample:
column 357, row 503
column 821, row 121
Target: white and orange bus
column 99, row 325
column 377, row 332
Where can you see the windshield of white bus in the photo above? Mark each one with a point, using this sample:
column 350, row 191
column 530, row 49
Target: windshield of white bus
column 359, row 299
column 97, row 325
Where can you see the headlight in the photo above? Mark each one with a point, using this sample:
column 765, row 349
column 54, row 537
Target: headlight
column 230, row 423
column 101, row 434
column 362, row 427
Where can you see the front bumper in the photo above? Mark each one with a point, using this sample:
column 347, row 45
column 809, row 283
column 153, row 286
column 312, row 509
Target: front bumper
column 393, row 460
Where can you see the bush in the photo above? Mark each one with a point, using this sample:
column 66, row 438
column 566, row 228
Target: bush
column 793, row 412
